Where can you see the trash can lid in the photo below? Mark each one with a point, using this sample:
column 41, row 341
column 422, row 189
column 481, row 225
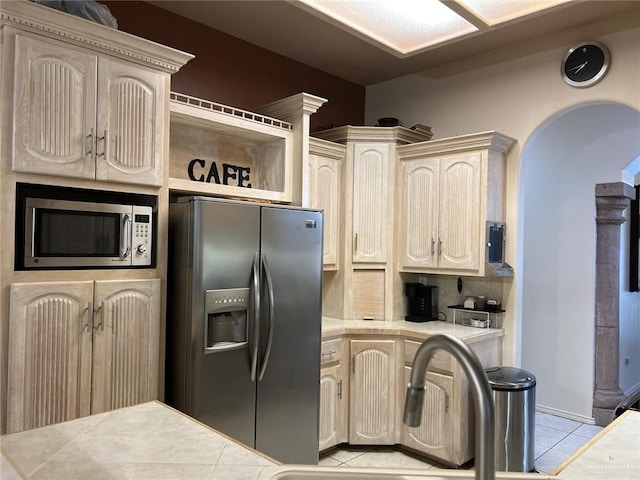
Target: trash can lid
column 510, row 378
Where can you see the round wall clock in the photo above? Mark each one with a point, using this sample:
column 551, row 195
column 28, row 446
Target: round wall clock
column 585, row 64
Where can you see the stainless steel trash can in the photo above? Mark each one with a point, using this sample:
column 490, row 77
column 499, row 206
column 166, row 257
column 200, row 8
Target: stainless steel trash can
column 514, row 400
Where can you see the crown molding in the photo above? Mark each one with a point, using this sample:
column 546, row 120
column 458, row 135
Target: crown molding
column 349, row 133
column 325, row 148
column 476, row 141
column 45, row 21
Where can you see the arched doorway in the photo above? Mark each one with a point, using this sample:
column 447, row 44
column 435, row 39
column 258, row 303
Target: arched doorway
column 561, row 163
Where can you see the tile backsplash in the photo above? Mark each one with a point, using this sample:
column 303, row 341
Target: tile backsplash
column 490, row 287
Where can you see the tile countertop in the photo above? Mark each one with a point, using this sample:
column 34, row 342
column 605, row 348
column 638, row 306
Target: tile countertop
column 151, row 441
column 613, row 454
column 332, row 327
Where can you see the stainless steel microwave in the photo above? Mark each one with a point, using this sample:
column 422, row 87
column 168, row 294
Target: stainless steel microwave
column 87, row 233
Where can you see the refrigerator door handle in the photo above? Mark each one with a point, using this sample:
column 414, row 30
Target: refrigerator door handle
column 267, row 352
column 256, row 316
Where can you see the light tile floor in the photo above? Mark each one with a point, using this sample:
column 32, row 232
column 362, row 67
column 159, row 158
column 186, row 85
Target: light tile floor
column 556, row 439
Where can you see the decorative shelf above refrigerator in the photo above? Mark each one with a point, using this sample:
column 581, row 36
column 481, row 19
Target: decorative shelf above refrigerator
column 220, row 150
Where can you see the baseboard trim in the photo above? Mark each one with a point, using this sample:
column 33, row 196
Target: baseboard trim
column 565, row 414
column 633, row 391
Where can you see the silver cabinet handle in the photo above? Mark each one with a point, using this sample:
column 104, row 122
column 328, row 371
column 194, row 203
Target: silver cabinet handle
column 328, row 354
column 101, row 324
column 92, row 144
column 433, row 247
column 89, row 310
column 256, row 317
column 102, row 139
column 267, row 352
column 439, row 247
column 355, row 243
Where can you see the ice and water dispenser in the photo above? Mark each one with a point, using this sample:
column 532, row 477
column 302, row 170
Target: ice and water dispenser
column 226, row 312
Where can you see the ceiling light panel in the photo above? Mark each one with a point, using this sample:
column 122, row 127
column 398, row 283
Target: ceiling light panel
column 494, row 12
column 403, row 27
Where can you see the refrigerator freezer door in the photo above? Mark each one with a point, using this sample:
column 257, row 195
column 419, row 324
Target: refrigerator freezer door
column 227, row 238
column 288, row 393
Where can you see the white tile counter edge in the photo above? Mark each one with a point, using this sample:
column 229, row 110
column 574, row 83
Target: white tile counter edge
column 332, row 327
column 613, row 454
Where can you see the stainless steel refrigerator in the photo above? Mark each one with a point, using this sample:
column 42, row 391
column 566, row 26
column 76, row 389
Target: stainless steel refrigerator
column 243, row 332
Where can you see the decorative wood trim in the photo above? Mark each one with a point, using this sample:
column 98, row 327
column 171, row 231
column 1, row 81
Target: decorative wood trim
column 294, row 105
column 53, row 23
column 489, row 140
column 180, row 98
column 397, row 135
column 326, row 149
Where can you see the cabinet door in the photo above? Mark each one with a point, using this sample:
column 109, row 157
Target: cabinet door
column 330, row 406
column 54, row 107
column 435, row 433
column 372, row 392
column 126, row 343
column 420, row 213
column 460, row 212
column 49, row 364
column 325, row 195
column 370, row 200
column 130, row 123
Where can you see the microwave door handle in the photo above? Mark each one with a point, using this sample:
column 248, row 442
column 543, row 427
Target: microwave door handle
column 256, row 317
column 125, row 236
column 32, row 240
column 267, row 352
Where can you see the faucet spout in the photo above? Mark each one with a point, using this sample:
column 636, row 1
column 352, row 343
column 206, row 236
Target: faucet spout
column 482, row 399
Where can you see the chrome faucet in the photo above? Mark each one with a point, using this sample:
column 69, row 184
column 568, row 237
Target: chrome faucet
column 482, row 398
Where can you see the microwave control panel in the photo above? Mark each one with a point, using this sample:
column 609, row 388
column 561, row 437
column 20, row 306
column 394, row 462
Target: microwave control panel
column 142, row 232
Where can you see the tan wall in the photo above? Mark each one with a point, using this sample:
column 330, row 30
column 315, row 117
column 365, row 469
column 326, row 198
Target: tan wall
column 514, row 90
column 237, row 73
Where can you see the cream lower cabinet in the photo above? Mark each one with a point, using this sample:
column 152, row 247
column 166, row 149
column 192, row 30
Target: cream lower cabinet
column 372, row 402
column 334, row 395
column 446, row 432
column 78, row 348
column 434, row 436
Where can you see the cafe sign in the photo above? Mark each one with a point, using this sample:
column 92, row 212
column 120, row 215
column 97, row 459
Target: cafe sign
column 200, row 170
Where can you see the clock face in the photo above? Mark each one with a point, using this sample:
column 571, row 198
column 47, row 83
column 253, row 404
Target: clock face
column 585, row 64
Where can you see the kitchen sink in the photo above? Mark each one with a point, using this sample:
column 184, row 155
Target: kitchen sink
column 350, row 473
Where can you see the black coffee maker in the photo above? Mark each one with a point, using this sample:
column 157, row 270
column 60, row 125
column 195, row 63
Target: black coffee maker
column 423, row 302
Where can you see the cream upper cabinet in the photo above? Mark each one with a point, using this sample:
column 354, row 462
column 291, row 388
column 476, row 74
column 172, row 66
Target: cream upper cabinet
column 77, row 348
column 130, row 126
column 459, row 212
column 448, row 190
column 370, row 201
column 78, row 114
column 421, row 180
column 372, row 394
column 326, row 162
column 54, row 108
column 441, row 212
